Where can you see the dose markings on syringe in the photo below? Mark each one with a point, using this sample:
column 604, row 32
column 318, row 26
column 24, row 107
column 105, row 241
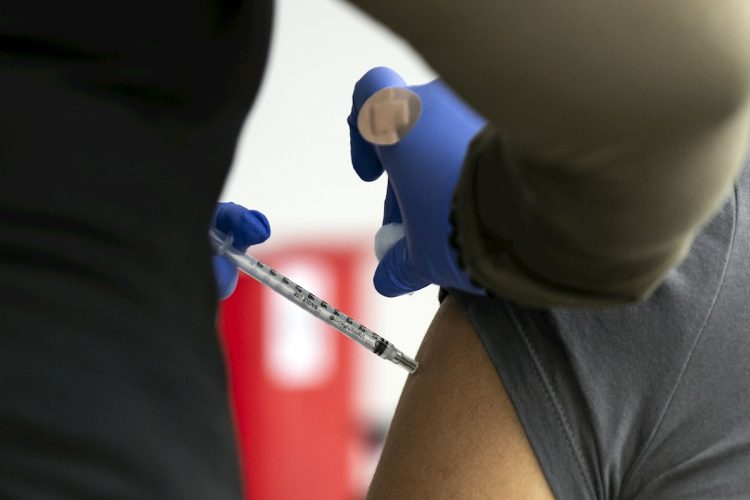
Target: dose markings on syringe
column 342, row 320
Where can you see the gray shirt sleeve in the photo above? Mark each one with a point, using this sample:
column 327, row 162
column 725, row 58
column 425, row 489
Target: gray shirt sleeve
column 644, row 401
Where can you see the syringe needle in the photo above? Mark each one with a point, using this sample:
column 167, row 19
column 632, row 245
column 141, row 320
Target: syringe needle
column 321, row 309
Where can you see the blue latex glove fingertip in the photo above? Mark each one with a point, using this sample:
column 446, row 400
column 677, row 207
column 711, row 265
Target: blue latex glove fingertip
column 253, row 229
column 247, row 227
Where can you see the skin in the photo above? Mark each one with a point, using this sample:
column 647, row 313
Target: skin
column 455, row 434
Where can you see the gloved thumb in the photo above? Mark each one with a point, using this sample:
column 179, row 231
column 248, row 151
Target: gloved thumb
column 394, row 276
column 364, row 158
column 247, row 227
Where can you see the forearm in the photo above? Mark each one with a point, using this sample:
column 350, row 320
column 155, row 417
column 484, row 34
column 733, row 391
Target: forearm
column 623, row 126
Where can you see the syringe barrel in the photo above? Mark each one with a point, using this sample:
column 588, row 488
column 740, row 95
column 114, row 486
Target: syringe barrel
column 309, row 302
column 298, row 295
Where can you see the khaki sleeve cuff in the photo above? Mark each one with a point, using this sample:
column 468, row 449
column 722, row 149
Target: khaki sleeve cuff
column 493, row 224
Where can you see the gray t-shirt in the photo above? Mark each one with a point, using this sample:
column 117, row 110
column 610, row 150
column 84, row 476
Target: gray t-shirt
column 648, row 401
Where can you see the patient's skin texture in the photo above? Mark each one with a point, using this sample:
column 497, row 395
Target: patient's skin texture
column 455, row 434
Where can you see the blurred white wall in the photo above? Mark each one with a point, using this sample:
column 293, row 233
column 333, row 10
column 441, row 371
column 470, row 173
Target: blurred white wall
column 293, row 161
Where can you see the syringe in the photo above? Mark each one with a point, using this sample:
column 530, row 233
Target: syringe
column 291, row 291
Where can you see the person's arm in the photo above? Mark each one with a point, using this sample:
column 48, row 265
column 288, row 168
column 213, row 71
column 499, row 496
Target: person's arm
column 455, row 433
column 616, row 130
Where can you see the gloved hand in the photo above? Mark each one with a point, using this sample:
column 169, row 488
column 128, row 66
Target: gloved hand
column 248, row 227
column 423, row 169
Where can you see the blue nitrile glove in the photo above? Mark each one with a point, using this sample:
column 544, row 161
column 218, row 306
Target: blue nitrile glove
column 247, row 227
column 423, row 169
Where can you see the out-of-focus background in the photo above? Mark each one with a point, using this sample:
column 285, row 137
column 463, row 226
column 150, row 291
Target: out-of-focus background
column 312, row 406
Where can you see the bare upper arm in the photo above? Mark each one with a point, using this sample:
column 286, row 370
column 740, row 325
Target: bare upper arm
column 455, row 434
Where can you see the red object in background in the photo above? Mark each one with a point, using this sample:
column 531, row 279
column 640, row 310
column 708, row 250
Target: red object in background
column 291, row 378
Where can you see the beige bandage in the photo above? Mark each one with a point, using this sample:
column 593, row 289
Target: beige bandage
column 388, row 115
